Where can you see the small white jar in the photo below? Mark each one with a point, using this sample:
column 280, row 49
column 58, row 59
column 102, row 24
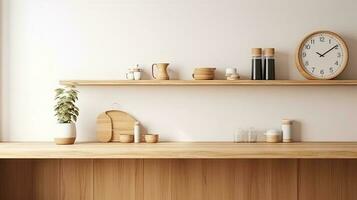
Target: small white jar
column 129, row 76
column 137, row 75
column 273, row 136
column 286, row 126
column 137, row 136
column 230, row 71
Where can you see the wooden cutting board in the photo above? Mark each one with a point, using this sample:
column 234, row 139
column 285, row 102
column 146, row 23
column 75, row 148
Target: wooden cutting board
column 111, row 124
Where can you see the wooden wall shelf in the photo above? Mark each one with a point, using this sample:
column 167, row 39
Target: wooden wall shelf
column 174, row 150
column 209, row 83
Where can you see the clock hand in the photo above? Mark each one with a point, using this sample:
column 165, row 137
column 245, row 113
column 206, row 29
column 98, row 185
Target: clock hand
column 328, row 50
column 319, row 54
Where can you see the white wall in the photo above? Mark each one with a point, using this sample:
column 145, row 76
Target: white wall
column 49, row 40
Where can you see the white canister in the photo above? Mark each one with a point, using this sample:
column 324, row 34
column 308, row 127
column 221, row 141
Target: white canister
column 129, row 76
column 137, row 75
column 230, row 71
column 137, row 132
column 273, row 136
column 286, row 126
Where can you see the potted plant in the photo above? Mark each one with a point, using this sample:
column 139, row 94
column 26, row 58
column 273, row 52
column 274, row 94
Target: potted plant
column 66, row 112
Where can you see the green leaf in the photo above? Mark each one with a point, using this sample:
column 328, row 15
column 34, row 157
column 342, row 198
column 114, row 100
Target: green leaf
column 65, row 108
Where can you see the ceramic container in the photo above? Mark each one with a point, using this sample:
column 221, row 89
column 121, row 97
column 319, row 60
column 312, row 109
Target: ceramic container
column 230, row 71
column 161, row 69
column 65, row 133
column 134, row 73
column 129, row 76
column 233, row 77
column 273, row 136
column 137, row 75
column 286, row 126
column 137, row 136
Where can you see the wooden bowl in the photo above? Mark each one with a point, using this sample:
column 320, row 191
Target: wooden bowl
column 202, row 77
column 151, row 138
column 124, row 138
column 204, row 72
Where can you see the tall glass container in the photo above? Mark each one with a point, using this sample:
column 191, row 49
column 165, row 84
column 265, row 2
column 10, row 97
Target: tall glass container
column 269, row 64
column 257, row 67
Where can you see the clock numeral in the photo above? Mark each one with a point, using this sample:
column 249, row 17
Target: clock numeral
column 306, row 63
column 307, row 46
column 331, row 69
column 329, row 41
column 313, row 69
column 336, row 47
column 322, row 72
column 303, row 54
column 322, row 39
column 313, row 41
column 339, row 55
column 336, row 63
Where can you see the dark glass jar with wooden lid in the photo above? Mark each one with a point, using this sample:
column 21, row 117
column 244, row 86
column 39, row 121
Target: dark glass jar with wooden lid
column 269, row 64
column 257, row 64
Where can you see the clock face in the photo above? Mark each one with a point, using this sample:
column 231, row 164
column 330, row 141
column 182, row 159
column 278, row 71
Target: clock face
column 322, row 55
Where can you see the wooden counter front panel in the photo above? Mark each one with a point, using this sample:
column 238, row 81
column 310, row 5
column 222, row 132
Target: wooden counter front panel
column 328, row 179
column 172, row 179
column 15, row 179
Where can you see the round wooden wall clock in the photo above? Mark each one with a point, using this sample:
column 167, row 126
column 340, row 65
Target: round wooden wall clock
column 321, row 55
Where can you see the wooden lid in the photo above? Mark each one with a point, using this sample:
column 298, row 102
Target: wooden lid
column 256, row 51
column 286, row 121
column 269, row 52
column 205, row 68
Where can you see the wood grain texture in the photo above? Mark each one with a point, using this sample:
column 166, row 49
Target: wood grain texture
column 104, row 128
column 328, row 179
column 219, row 179
column 46, row 179
column 118, row 179
column 175, row 179
column 15, row 179
column 266, row 179
column 187, row 179
column 122, row 123
column 111, row 124
column 209, row 82
column 77, row 179
column 157, row 179
column 172, row 150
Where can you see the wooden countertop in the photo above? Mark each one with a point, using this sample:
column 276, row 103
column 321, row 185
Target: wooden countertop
column 203, row 150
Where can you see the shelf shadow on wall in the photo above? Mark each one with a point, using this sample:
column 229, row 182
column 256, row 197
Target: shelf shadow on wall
column 351, row 69
column 282, row 68
column 296, row 129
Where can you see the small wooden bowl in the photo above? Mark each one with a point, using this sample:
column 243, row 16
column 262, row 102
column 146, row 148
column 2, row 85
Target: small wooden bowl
column 203, row 72
column 151, row 138
column 124, row 138
column 202, row 77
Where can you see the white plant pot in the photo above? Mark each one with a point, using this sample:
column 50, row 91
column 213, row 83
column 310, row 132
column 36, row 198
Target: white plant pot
column 65, row 133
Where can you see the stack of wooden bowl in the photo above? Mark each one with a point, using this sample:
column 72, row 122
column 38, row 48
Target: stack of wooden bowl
column 203, row 73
